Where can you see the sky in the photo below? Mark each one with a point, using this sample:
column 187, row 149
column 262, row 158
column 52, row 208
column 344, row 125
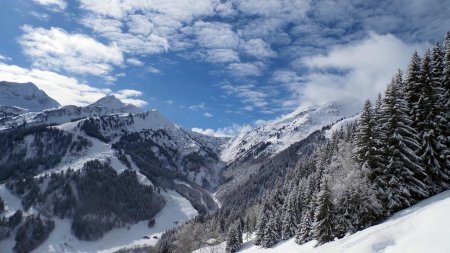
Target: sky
column 219, row 66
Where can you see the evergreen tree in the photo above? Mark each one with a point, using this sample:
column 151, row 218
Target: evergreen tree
column 324, row 227
column 365, row 139
column 431, row 115
column 2, row 205
column 358, row 207
column 304, row 232
column 400, row 182
column 262, row 222
column 234, row 238
column 289, row 216
column 272, row 233
column 445, row 104
column 413, row 87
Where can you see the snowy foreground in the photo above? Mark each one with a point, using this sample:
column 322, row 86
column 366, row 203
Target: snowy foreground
column 176, row 211
column 424, row 227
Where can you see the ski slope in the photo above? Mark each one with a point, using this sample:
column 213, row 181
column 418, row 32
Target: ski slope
column 424, row 227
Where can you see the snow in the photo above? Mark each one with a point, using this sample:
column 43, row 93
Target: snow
column 12, row 202
column 177, row 209
column 113, row 103
column 424, row 227
column 339, row 125
column 283, row 132
column 25, row 95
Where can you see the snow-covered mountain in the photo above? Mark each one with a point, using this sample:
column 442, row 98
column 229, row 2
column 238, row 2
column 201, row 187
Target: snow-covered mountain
column 104, row 106
column 277, row 135
column 26, row 96
column 113, row 103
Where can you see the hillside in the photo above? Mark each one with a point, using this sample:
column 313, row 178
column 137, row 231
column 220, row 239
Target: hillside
column 423, row 227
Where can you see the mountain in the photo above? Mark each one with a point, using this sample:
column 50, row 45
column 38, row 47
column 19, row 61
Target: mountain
column 154, row 171
column 275, row 136
column 256, row 158
column 26, row 96
column 114, row 104
column 104, row 106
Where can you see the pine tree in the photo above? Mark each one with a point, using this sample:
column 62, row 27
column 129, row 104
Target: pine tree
column 445, row 104
column 413, row 87
column 261, row 224
column 400, row 182
column 272, row 233
column 364, row 136
column 234, row 238
column 358, row 207
column 2, row 205
column 430, row 113
column 304, row 232
column 289, row 217
column 324, row 227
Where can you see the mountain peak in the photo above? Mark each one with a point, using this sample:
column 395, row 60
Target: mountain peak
column 25, row 95
column 113, row 103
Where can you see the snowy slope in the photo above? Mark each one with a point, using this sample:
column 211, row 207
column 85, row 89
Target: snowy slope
column 25, row 95
column 277, row 135
column 177, row 209
column 424, row 227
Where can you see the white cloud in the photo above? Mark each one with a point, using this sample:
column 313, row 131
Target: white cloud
column 57, row 49
column 54, row 4
column 215, row 35
column 257, row 48
column 132, row 43
column 134, row 62
column 182, row 10
column 229, row 131
column 221, row 56
column 243, row 69
column 64, row 89
column 208, row 115
column 201, row 106
column 4, row 58
column 153, row 70
column 248, row 94
column 354, row 72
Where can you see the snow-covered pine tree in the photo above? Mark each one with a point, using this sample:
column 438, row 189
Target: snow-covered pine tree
column 272, row 233
column 364, row 138
column 323, row 220
column 445, row 103
column 234, row 238
column 400, row 182
column 304, row 231
column 413, row 87
column 377, row 161
column 431, row 115
column 358, row 206
column 289, row 216
column 261, row 223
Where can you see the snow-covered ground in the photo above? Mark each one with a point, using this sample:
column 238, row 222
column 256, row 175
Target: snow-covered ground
column 424, row 227
column 176, row 211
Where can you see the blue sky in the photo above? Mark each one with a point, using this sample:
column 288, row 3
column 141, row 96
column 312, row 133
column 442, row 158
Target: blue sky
column 222, row 65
